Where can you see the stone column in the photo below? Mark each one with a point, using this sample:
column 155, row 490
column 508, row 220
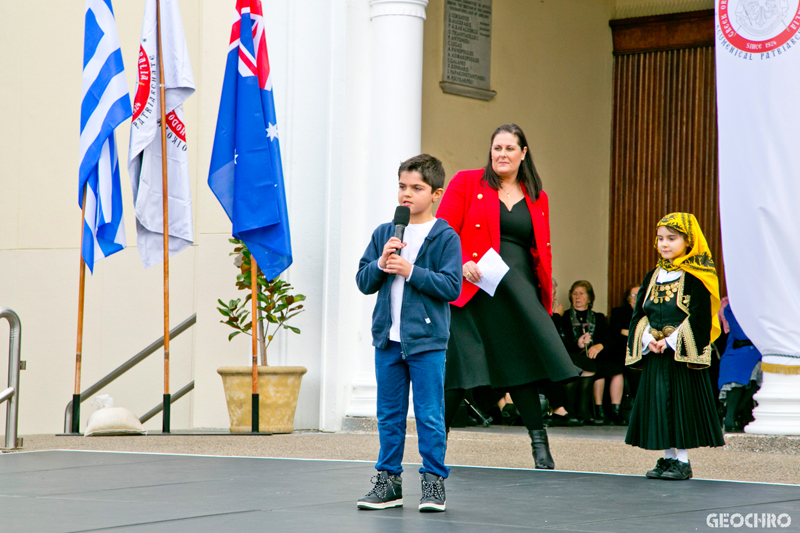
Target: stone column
column 395, row 131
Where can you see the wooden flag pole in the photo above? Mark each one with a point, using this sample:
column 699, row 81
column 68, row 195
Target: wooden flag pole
column 254, row 332
column 165, row 422
column 76, row 395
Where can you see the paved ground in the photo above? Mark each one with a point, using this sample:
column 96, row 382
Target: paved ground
column 745, row 458
column 74, row 491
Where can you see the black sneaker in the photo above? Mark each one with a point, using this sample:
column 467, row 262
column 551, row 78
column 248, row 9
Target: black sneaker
column 432, row 493
column 678, row 470
column 387, row 492
column 662, row 465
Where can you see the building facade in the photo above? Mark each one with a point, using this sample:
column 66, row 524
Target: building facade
column 356, row 86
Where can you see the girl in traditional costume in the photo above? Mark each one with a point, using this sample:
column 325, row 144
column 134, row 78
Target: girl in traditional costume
column 673, row 325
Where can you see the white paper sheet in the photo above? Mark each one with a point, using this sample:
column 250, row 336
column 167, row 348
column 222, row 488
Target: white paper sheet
column 493, row 269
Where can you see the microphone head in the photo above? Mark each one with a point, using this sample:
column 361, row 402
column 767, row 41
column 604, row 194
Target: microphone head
column 402, row 215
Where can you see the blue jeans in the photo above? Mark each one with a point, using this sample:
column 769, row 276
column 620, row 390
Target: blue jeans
column 395, row 371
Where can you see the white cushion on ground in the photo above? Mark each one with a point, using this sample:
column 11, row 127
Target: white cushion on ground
column 114, row 421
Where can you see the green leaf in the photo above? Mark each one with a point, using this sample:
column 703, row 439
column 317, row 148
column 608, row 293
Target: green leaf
column 224, row 311
column 299, row 298
column 272, row 319
column 296, row 330
column 232, row 335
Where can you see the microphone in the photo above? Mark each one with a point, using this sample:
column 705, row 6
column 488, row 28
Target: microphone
column 402, row 215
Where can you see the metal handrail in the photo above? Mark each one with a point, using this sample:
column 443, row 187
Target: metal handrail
column 11, row 394
column 160, row 407
column 124, row 367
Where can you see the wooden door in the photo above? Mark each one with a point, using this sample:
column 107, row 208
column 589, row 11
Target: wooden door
column 664, row 139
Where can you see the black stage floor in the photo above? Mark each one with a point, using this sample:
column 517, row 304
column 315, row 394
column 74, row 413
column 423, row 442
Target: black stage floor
column 68, row 491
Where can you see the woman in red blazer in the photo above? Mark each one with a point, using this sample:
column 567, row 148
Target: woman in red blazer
column 507, row 341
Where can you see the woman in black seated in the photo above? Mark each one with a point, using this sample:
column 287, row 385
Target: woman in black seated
column 556, row 393
column 585, row 333
column 617, row 343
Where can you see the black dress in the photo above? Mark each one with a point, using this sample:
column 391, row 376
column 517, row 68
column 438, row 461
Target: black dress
column 617, row 342
column 603, row 365
column 508, row 339
column 675, row 406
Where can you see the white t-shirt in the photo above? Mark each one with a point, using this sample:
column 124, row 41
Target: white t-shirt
column 414, row 236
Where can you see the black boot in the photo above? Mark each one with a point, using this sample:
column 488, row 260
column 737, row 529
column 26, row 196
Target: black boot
column 585, row 400
column 616, row 416
column 599, row 415
column 541, row 449
column 572, row 395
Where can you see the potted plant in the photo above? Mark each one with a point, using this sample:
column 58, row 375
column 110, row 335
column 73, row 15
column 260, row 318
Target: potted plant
column 278, row 386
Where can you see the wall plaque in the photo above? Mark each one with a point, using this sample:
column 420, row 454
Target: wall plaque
column 467, row 48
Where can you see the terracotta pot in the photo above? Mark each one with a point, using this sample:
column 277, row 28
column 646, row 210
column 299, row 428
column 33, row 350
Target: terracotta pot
column 278, row 388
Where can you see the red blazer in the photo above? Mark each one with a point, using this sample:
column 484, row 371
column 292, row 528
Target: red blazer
column 472, row 208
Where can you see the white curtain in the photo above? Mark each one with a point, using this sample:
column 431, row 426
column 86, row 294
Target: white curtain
column 758, row 102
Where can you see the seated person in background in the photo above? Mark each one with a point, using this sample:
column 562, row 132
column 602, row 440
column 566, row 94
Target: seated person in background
column 558, row 307
column 617, row 342
column 585, row 333
column 556, row 393
column 739, row 372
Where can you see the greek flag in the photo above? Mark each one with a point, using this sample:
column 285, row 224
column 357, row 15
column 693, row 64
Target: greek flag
column 105, row 105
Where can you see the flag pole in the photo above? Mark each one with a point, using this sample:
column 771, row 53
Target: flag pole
column 76, row 395
column 254, row 332
column 165, row 420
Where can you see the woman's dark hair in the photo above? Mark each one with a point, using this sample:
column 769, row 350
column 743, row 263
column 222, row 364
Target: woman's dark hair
column 527, row 176
column 628, row 290
column 589, row 291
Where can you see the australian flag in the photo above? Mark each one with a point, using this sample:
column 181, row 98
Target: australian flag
column 246, row 175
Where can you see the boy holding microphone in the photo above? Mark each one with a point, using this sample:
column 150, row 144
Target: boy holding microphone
column 415, row 281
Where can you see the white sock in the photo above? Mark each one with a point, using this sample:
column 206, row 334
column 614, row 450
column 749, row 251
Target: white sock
column 670, row 453
column 683, row 456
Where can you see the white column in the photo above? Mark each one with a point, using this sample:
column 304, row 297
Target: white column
column 395, row 131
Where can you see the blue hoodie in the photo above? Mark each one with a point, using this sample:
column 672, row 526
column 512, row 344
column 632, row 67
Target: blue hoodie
column 434, row 283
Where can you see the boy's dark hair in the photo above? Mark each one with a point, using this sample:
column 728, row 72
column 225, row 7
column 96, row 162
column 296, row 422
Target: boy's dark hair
column 429, row 168
column 589, row 291
column 527, row 175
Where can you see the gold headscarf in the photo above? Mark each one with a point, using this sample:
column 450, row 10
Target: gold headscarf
column 696, row 262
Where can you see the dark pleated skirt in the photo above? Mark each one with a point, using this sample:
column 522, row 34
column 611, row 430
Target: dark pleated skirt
column 674, row 407
column 508, row 339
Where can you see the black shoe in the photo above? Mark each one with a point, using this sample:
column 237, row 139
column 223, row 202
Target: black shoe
column 662, row 465
column 678, row 470
column 433, row 497
column 387, row 492
column 541, row 450
column 600, row 416
column 565, row 421
column 617, row 417
column 509, row 414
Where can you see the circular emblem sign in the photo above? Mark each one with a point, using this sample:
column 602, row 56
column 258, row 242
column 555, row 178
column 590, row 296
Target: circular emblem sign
column 759, row 25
